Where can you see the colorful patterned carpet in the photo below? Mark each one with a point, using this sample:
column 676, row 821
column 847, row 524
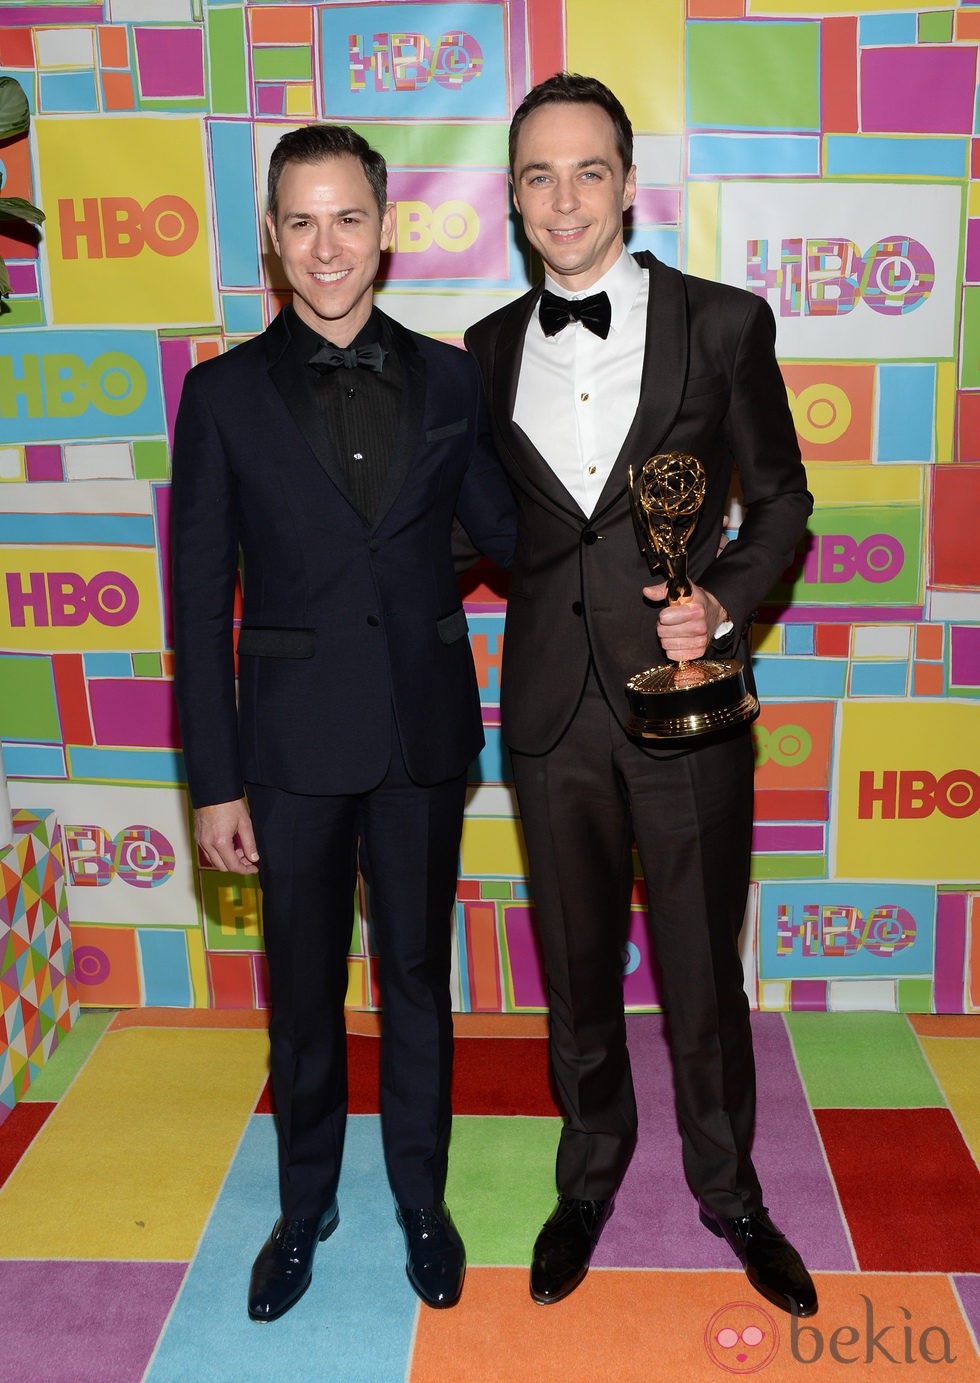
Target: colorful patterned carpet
column 138, row 1181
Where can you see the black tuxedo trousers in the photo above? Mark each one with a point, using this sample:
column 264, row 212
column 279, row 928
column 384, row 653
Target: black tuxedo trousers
column 582, row 806
column 308, row 849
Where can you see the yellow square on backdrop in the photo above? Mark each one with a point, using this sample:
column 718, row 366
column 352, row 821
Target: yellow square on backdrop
column 127, row 235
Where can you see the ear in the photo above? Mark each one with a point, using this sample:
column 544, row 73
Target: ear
column 270, row 226
column 388, row 226
column 513, row 193
column 629, row 189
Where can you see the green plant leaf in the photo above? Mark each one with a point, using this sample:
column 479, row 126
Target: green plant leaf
column 16, row 209
column 4, row 280
column 15, row 113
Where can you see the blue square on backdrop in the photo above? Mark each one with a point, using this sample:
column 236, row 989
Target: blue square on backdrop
column 876, row 30
column 107, row 664
column 242, row 313
column 166, row 969
column 799, row 638
column 68, row 91
column 906, row 411
column 879, row 679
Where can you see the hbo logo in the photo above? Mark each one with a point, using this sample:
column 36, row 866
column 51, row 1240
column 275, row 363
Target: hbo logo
column 138, row 855
column 452, row 225
column 63, row 598
column 119, row 228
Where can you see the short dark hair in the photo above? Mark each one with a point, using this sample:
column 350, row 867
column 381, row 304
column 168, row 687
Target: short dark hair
column 315, row 144
column 570, row 88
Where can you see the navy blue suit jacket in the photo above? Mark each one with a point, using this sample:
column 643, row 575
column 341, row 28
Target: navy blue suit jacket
column 342, row 620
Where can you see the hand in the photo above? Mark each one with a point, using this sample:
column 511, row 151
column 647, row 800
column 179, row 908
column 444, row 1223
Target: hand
column 686, row 629
column 224, row 833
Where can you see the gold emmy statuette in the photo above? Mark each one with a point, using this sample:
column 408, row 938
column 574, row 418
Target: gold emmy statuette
column 677, row 700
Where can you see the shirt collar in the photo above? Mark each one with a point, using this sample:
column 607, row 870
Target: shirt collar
column 311, row 340
column 621, row 284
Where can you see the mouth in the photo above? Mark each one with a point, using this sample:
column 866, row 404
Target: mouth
column 566, row 232
column 335, row 277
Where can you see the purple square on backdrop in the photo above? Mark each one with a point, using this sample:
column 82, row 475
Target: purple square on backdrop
column 964, row 656
column 43, row 463
column 808, row 996
column 23, row 279
column 972, row 251
column 270, row 98
column 170, row 62
column 918, row 90
column 525, row 960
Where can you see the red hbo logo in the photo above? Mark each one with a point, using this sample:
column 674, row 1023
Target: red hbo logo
column 914, row 794
column 741, row 1337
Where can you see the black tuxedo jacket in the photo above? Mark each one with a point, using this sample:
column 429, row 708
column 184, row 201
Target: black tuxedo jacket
column 710, row 387
column 342, row 620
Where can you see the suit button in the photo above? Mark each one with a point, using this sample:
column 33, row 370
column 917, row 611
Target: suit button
column 374, row 544
column 576, row 607
column 373, row 621
column 590, row 537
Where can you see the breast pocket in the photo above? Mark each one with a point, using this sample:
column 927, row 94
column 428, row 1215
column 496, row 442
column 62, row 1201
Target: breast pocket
column 440, row 434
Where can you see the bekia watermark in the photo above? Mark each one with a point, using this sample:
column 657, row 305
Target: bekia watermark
column 743, row 1338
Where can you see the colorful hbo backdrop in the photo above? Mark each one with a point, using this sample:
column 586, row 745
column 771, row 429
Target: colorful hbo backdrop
column 822, row 157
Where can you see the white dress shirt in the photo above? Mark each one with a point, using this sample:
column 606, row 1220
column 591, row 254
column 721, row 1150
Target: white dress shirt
column 577, row 393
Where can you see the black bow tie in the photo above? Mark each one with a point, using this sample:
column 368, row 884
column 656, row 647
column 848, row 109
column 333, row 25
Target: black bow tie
column 330, row 357
column 594, row 313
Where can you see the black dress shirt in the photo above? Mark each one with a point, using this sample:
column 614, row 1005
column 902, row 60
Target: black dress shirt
column 359, row 408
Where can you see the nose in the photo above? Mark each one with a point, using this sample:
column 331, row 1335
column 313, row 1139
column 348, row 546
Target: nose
column 325, row 244
column 566, row 197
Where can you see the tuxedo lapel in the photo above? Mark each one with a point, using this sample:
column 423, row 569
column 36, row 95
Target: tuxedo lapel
column 502, row 392
column 666, row 362
column 411, row 410
column 299, row 399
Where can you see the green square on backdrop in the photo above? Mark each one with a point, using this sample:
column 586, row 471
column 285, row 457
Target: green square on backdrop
column 915, row 995
column 936, row 26
column 30, row 708
column 147, row 665
column 151, row 460
column 784, row 60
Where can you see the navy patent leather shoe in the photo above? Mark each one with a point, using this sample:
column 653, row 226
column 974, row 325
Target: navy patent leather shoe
column 435, row 1256
column 563, row 1249
column 284, row 1268
column 772, row 1265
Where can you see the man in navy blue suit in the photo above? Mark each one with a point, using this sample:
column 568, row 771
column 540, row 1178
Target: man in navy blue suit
column 335, row 452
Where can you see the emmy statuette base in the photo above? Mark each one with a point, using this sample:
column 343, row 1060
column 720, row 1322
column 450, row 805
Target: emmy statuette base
column 678, row 701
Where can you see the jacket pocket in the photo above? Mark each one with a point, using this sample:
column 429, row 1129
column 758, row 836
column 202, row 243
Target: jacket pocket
column 705, row 384
column 452, row 627
column 438, row 434
column 263, row 641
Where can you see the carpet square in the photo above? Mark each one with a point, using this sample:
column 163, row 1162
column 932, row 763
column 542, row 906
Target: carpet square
column 356, row 1320
column 908, row 1187
column 956, row 1064
column 491, row 1075
column 634, row 1327
column 176, row 1103
column 19, row 1129
column 655, row 1222
column 833, row 1051
column 501, row 1184
column 82, row 1322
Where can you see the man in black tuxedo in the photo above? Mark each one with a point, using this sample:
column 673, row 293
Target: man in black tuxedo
column 580, row 389
column 334, row 452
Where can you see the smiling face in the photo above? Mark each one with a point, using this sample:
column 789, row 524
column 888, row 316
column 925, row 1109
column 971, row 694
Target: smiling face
column 571, row 190
column 329, row 235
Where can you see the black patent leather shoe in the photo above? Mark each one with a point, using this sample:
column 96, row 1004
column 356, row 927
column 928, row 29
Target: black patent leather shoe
column 284, row 1267
column 564, row 1247
column 771, row 1263
column 435, row 1258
